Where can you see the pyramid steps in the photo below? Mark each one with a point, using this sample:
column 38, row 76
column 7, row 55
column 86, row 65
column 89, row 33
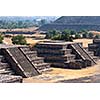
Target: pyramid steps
column 96, row 58
column 38, row 62
column 81, row 52
column 65, row 54
column 7, row 75
column 19, row 63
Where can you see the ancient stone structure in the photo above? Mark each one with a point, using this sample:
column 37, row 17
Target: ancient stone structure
column 4, row 78
column 95, row 47
column 76, row 23
column 37, row 62
column 65, row 54
column 7, row 75
column 20, row 61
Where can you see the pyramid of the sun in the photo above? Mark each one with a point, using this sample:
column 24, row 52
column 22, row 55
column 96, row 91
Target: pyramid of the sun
column 76, row 23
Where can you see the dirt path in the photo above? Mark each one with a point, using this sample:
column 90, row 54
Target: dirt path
column 58, row 75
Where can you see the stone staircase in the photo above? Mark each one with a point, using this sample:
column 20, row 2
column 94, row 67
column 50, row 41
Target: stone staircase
column 5, row 67
column 65, row 54
column 83, row 54
column 96, row 58
column 38, row 62
column 20, row 64
column 7, row 74
column 58, row 55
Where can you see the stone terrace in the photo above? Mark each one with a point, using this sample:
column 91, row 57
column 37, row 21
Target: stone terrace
column 65, row 54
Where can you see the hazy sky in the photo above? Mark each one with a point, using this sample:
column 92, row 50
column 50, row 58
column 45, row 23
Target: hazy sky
column 49, row 7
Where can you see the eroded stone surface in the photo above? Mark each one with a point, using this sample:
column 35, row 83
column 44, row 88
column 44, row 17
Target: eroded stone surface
column 10, row 79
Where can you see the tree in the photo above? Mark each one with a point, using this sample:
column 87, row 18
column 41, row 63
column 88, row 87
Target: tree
column 90, row 35
column 56, row 37
column 97, row 36
column 85, row 35
column 48, row 36
column 67, row 37
column 72, row 32
column 1, row 38
column 71, row 39
column 51, row 34
column 19, row 39
column 77, row 36
column 84, row 31
column 66, row 31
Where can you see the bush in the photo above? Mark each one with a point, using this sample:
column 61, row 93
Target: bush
column 77, row 36
column 1, row 38
column 51, row 34
column 85, row 35
column 91, row 35
column 97, row 36
column 67, row 37
column 66, row 31
column 73, row 32
column 56, row 37
column 19, row 39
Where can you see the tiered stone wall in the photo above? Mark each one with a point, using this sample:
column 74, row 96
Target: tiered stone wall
column 62, row 54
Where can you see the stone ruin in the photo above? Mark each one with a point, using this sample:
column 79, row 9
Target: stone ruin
column 17, row 62
column 65, row 54
column 95, row 47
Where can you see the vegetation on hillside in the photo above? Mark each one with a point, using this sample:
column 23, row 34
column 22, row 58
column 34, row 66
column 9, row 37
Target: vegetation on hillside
column 15, row 24
column 12, row 22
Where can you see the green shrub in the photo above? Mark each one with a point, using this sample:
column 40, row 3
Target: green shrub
column 91, row 35
column 97, row 36
column 1, row 38
column 56, row 37
column 77, row 36
column 19, row 39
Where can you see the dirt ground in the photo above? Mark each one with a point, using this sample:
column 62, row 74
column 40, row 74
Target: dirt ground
column 30, row 29
column 84, row 41
column 7, row 40
column 95, row 32
column 34, row 41
column 58, row 74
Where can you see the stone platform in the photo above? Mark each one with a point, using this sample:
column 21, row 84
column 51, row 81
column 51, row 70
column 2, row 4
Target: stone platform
column 65, row 54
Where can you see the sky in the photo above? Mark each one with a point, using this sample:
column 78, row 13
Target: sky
column 49, row 7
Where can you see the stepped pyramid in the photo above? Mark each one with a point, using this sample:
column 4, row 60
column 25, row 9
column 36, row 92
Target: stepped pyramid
column 65, row 54
column 76, row 23
column 20, row 61
column 95, row 47
column 7, row 74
